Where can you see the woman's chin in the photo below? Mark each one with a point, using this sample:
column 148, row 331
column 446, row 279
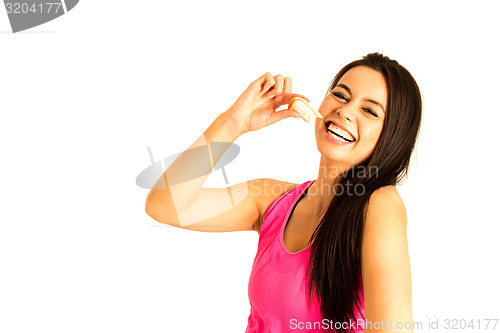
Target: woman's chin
column 337, row 155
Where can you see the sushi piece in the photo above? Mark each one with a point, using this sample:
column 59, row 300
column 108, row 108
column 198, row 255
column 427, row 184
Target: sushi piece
column 304, row 109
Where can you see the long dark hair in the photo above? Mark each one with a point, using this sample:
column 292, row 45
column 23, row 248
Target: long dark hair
column 334, row 270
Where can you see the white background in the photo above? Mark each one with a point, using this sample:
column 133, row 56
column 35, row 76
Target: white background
column 83, row 96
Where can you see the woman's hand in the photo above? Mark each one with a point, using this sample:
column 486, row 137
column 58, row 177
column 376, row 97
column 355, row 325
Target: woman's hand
column 256, row 107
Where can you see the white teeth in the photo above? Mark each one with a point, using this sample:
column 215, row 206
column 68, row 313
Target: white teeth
column 340, row 132
column 338, row 138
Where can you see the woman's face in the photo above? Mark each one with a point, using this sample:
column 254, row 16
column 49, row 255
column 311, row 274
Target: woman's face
column 355, row 108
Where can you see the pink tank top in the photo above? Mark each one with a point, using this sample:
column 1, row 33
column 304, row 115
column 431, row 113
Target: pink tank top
column 277, row 287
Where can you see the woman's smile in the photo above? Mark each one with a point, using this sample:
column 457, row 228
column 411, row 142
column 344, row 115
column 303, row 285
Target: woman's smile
column 337, row 134
column 353, row 115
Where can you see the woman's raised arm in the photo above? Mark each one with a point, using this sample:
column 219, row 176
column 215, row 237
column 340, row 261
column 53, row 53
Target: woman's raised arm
column 178, row 198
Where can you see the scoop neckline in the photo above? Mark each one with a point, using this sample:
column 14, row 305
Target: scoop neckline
column 287, row 217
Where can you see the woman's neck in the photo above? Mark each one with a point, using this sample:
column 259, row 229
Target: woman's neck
column 321, row 192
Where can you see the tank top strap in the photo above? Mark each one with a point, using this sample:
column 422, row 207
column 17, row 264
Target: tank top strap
column 278, row 208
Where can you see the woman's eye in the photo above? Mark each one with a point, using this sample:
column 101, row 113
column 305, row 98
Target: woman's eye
column 339, row 95
column 370, row 111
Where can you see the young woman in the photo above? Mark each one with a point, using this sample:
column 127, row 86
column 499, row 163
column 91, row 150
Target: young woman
column 332, row 252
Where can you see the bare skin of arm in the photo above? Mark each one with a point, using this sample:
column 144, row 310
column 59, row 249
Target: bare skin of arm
column 385, row 264
column 186, row 204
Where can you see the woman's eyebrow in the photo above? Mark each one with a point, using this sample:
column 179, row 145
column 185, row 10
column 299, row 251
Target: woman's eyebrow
column 341, row 85
column 374, row 102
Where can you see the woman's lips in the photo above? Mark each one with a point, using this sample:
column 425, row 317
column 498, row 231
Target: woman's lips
column 332, row 139
column 341, row 127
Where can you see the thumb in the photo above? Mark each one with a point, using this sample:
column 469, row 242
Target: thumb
column 283, row 114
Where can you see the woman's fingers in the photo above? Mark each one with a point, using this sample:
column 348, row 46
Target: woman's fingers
column 280, row 82
column 283, row 114
column 287, row 86
column 278, row 86
column 268, row 82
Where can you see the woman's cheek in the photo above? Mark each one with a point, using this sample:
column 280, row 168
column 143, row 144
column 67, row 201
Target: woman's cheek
column 369, row 139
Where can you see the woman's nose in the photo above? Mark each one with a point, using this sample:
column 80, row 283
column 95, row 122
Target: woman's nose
column 346, row 113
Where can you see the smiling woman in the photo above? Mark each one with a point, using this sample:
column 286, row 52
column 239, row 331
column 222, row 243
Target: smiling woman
column 332, row 252
column 372, row 114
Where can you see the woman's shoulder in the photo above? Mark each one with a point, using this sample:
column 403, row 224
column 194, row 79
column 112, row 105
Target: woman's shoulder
column 389, row 192
column 385, row 262
column 266, row 190
column 386, row 204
